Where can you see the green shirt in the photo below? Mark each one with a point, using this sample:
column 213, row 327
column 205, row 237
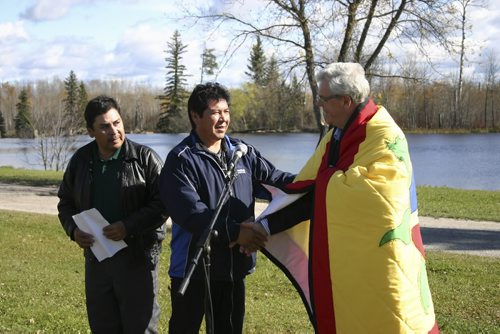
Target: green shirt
column 107, row 186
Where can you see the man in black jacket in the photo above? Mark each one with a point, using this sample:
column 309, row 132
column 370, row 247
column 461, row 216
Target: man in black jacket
column 119, row 178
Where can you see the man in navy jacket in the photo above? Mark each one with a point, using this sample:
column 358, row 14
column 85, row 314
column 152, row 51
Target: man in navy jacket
column 191, row 182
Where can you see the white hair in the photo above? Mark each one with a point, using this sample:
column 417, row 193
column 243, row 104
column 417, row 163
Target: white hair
column 346, row 79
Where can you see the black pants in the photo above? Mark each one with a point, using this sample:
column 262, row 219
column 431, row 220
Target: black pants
column 228, row 301
column 121, row 295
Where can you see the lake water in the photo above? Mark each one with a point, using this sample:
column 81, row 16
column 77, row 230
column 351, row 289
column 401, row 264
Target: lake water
column 466, row 161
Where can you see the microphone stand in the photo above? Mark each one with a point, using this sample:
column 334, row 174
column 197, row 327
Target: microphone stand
column 203, row 247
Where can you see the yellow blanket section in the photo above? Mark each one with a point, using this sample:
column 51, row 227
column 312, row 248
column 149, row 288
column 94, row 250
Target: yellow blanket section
column 379, row 281
column 378, row 275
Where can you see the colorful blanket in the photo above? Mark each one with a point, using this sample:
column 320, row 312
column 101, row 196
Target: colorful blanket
column 359, row 264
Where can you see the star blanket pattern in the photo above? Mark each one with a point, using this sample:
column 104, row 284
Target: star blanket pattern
column 359, row 264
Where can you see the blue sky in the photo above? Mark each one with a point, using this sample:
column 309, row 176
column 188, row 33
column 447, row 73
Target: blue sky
column 125, row 40
column 105, row 39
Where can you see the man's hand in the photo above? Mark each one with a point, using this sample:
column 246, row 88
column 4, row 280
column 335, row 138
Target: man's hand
column 249, row 249
column 83, row 239
column 252, row 237
column 115, row 231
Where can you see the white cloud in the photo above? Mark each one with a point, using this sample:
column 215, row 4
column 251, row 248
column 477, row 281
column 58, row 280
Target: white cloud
column 485, row 27
column 127, row 39
column 52, row 57
column 13, row 32
column 145, row 42
column 13, row 41
column 138, row 55
column 46, row 10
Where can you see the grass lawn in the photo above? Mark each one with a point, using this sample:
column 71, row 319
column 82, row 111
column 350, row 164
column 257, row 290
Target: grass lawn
column 458, row 203
column 30, row 176
column 42, row 286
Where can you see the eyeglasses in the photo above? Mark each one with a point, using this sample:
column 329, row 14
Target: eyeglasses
column 320, row 99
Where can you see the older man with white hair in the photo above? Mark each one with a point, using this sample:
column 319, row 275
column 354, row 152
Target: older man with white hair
column 355, row 252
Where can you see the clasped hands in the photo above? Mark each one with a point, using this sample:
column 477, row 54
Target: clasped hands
column 252, row 237
column 115, row 232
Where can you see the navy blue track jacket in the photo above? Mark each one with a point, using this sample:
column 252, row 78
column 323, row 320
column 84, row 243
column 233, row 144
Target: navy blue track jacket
column 191, row 183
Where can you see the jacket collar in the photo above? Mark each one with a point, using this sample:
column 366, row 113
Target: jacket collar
column 196, row 140
column 126, row 150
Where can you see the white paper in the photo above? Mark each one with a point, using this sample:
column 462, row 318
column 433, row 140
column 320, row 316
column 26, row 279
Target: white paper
column 92, row 222
column 279, row 201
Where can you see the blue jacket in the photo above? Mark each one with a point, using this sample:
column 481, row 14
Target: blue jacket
column 191, row 183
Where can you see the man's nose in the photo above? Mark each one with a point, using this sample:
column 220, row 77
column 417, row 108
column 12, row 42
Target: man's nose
column 113, row 129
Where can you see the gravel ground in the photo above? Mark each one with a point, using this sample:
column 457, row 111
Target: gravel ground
column 451, row 235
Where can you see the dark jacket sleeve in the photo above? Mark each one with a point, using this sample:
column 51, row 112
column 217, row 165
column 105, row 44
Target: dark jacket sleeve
column 292, row 214
column 263, row 172
column 179, row 194
column 151, row 214
column 67, row 202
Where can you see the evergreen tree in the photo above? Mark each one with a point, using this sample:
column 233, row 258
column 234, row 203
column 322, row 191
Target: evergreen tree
column 2, row 126
column 272, row 95
column 71, row 102
column 294, row 105
column 82, row 101
column 208, row 63
column 257, row 64
column 23, row 125
column 138, row 118
column 272, row 74
column 171, row 119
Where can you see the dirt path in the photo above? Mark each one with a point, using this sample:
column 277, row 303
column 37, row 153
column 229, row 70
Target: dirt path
column 28, row 199
column 451, row 235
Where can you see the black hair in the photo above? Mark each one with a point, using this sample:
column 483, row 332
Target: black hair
column 98, row 106
column 202, row 94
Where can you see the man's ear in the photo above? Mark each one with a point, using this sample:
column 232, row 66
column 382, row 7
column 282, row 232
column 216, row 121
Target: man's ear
column 194, row 115
column 348, row 100
column 90, row 131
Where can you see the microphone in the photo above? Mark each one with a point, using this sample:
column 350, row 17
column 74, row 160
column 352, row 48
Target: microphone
column 239, row 151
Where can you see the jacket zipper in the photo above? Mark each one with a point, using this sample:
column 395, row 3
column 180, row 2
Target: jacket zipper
column 226, row 225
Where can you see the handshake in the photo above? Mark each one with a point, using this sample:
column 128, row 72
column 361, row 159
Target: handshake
column 252, row 237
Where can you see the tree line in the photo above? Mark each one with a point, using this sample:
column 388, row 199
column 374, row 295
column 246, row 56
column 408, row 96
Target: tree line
column 268, row 101
column 279, row 93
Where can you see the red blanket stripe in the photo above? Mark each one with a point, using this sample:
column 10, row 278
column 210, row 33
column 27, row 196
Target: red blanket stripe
column 417, row 239
column 435, row 329
column 299, row 186
column 321, row 279
column 323, row 295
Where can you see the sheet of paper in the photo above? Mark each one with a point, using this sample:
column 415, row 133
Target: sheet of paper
column 92, row 222
column 280, row 200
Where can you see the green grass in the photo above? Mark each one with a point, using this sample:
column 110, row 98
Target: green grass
column 466, row 292
column 41, row 282
column 42, row 286
column 30, row 177
column 458, row 203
